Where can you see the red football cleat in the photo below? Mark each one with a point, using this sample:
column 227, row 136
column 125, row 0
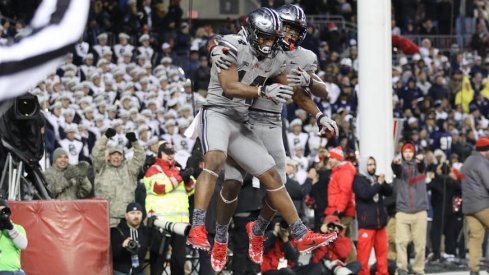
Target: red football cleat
column 255, row 249
column 219, row 256
column 197, row 237
column 311, row 241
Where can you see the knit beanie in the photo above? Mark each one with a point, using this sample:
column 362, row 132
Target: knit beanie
column 58, row 152
column 337, row 153
column 408, row 146
column 482, row 144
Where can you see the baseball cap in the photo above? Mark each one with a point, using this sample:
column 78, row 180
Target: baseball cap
column 166, row 148
column 134, row 206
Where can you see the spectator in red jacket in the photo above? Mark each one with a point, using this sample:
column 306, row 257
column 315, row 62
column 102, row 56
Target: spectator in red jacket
column 335, row 255
column 341, row 201
column 280, row 257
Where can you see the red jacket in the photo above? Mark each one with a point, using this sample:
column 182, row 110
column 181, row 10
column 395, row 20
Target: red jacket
column 274, row 250
column 338, row 250
column 340, row 194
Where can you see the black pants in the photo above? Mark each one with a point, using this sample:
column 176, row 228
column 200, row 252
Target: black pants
column 205, row 267
column 318, row 219
column 178, row 254
column 451, row 227
column 241, row 262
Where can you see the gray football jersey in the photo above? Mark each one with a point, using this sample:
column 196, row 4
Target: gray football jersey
column 251, row 71
column 300, row 57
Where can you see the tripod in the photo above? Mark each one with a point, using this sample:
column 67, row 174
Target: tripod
column 24, row 181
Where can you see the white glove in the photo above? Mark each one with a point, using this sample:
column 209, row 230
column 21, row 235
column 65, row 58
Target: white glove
column 276, row 92
column 299, row 77
column 330, row 264
column 325, row 123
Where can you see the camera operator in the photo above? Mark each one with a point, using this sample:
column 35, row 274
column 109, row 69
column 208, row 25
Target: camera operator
column 12, row 240
column 334, row 256
column 167, row 191
column 129, row 242
column 116, row 178
column 65, row 181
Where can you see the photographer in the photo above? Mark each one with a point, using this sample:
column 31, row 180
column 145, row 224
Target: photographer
column 12, row 240
column 167, row 190
column 116, row 178
column 129, row 242
column 65, row 181
column 334, row 256
column 281, row 257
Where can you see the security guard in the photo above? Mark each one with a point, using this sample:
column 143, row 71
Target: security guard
column 167, row 191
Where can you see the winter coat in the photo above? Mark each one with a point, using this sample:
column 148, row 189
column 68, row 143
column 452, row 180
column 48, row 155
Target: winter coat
column 475, row 185
column 338, row 250
column 412, row 196
column 369, row 198
column 274, row 249
column 340, row 195
column 443, row 190
column 116, row 184
column 67, row 186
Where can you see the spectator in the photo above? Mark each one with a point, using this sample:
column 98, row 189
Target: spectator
column 72, row 145
column 167, row 191
column 447, row 216
column 319, row 190
column 370, row 190
column 129, row 242
column 335, row 255
column 411, row 205
column 341, row 200
column 465, row 95
column 66, row 181
column 296, row 190
column 475, row 196
column 115, row 177
column 13, row 240
column 281, row 257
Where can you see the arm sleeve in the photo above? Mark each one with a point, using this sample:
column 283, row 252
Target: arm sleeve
column 116, row 240
column 18, row 237
column 364, row 191
column 268, row 243
column 54, row 30
column 397, row 169
column 84, row 188
column 290, row 252
column 137, row 162
column 386, row 189
column 346, row 191
column 98, row 153
column 56, row 185
column 159, row 182
column 421, row 167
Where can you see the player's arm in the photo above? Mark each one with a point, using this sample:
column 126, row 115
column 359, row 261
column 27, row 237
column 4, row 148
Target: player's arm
column 304, row 101
column 308, row 80
column 232, row 87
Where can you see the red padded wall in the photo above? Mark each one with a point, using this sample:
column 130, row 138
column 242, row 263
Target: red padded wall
column 65, row 237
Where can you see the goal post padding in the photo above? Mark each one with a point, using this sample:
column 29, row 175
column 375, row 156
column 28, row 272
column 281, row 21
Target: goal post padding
column 64, row 237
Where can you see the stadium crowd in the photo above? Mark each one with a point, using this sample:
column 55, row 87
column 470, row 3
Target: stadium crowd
column 138, row 78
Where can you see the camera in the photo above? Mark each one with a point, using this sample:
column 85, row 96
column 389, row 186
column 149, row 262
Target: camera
column 133, row 247
column 178, row 228
column 6, row 212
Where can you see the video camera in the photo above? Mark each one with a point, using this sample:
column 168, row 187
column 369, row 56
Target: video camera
column 178, row 228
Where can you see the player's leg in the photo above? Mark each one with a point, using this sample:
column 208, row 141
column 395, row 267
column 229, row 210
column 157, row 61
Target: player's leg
column 214, row 136
column 269, row 134
column 246, row 149
column 226, row 205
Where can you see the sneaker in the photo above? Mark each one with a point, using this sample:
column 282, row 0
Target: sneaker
column 311, row 241
column 219, row 256
column 255, row 249
column 197, row 237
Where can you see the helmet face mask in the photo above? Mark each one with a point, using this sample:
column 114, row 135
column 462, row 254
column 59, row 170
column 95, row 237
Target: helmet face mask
column 294, row 21
column 264, row 31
